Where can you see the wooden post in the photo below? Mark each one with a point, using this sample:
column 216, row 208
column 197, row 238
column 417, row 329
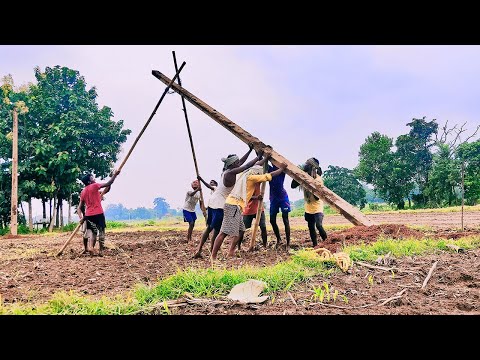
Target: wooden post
column 191, row 141
column 350, row 212
column 259, row 210
column 14, row 199
column 463, row 188
column 133, row 145
column 30, row 215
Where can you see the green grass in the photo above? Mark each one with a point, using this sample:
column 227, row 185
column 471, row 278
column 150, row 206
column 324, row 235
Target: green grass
column 214, row 283
column 407, row 247
column 197, row 282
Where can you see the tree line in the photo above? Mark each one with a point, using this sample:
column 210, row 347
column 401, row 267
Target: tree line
column 62, row 134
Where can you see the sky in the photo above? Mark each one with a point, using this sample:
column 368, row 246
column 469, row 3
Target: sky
column 304, row 101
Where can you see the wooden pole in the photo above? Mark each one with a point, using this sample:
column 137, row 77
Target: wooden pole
column 350, row 212
column 133, row 146
column 259, row 210
column 191, row 141
column 463, row 188
column 14, row 198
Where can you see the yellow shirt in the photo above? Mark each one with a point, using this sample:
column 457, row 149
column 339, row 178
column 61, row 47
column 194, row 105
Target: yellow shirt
column 312, row 206
column 251, row 181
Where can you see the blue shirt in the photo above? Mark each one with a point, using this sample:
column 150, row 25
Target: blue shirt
column 277, row 190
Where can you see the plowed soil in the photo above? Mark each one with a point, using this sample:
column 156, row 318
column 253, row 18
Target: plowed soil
column 29, row 271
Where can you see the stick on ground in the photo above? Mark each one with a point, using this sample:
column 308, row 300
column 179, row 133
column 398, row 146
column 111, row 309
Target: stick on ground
column 429, row 274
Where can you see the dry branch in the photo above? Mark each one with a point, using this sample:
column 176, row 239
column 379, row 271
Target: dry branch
column 429, row 274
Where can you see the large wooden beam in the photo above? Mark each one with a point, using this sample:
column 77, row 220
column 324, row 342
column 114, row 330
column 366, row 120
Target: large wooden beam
column 350, row 212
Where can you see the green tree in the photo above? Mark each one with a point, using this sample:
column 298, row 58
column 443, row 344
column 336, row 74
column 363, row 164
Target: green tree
column 469, row 154
column 385, row 170
column 161, row 207
column 343, row 182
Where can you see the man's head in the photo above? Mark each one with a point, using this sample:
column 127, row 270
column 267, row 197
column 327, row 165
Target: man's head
column 88, row 179
column 195, row 184
column 213, row 183
column 312, row 166
column 231, row 161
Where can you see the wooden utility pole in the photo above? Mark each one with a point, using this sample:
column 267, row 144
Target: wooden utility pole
column 14, row 208
column 191, row 142
column 131, row 148
column 463, row 188
column 259, row 209
column 350, row 212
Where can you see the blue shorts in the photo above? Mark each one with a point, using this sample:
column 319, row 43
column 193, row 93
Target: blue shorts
column 214, row 218
column 282, row 204
column 189, row 216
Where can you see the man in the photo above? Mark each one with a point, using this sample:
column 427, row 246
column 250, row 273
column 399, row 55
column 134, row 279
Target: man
column 235, row 203
column 279, row 201
column 189, row 214
column 94, row 214
column 313, row 205
column 232, row 166
column 84, row 225
column 250, row 213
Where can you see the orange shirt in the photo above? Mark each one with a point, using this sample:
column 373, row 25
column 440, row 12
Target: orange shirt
column 252, row 206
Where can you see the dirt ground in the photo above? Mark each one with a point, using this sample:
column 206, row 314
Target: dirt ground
column 30, row 272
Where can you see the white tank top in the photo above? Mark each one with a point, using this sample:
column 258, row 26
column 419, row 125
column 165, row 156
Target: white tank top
column 217, row 200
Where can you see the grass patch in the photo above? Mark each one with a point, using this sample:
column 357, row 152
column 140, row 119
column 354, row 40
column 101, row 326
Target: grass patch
column 407, row 247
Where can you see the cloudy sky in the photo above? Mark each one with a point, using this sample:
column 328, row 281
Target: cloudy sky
column 304, row 101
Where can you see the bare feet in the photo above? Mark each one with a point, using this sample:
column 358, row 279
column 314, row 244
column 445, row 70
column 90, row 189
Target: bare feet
column 197, row 256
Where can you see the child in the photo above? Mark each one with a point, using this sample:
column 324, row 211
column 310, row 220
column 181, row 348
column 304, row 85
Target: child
column 189, row 214
column 94, row 215
column 250, row 213
column 84, row 225
column 313, row 205
column 235, row 203
column 279, row 201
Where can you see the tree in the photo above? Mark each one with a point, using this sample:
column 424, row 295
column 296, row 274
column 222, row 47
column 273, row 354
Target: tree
column 469, row 154
column 161, row 207
column 385, row 170
column 343, row 182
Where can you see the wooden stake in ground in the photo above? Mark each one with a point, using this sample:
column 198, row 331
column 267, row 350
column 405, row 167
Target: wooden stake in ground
column 350, row 212
column 14, row 199
column 133, row 145
column 429, row 274
column 259, row 209
column 191, row 142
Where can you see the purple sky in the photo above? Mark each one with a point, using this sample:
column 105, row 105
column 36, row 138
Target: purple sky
column 305, row 101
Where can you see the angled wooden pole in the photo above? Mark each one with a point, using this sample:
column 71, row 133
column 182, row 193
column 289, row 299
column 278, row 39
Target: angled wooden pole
column 133, row 145
column 14, row 198
column 191, row 142
column 350, row 212
column 259, row 210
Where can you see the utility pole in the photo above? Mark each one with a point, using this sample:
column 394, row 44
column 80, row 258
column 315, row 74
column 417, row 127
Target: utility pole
column 463, row 188
column 14, row 208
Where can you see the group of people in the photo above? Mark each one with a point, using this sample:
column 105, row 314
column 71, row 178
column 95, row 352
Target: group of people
column 232, row 206
column 234, row 202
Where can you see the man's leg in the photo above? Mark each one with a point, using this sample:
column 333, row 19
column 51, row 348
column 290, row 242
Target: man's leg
column 263, row 229
column 215, row 234
column 240, row 239
column 286, row 223
column 319, row 225
column 191, row 225
column 276, row 230
column 91, row 240
column 311, row 228
column 101, row 241
column 204, row 238
column 235, row 241
column 218, row 242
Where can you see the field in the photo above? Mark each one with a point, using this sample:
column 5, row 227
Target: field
column 150, row 270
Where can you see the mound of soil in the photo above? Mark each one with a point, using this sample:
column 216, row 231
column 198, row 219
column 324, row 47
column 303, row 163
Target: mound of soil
column 367, row 234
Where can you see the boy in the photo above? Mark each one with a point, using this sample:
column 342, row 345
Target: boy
column 189, row 214
column 250, row 213
column 279, row 201
column 235, row 203
column 313, row 205
column 232, row 166
column 94, row 215
column 84, row 225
